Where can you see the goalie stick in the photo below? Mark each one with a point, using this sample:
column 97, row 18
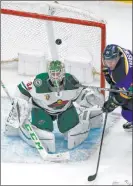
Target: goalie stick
column 38, row 145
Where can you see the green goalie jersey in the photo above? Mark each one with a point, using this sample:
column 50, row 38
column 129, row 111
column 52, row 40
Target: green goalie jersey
column 44, row 95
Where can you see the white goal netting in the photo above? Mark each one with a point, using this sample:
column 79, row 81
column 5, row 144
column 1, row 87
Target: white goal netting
column 69, row 35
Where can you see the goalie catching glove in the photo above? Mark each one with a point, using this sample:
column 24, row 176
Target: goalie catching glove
column 90, row 98
column 19, row 112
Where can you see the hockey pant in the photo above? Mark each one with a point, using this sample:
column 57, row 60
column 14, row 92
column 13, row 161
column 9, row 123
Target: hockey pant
column 127, row 111
column 127, row 115
column 66, row 120
column 74, row 127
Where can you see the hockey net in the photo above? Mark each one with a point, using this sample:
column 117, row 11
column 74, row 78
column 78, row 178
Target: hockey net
column 60, row 32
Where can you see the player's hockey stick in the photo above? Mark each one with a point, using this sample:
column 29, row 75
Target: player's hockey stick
column 92, row 177
column 105, row 89
column 42, row 151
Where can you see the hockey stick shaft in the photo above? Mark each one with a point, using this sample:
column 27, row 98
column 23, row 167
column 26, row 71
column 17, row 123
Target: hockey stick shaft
column 6, row 91
column 111, row 90
column 105, row 89
column 42, row 151
column 92, row 177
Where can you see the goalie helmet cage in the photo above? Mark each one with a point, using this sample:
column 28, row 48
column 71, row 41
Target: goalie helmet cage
column 57, row 30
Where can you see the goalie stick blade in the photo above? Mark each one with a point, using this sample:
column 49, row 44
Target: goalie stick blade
column 91, row 178
column 58, row 157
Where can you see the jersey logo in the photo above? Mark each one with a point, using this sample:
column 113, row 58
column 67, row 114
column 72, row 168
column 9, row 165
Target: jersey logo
column 58, row 104
column 37, row 82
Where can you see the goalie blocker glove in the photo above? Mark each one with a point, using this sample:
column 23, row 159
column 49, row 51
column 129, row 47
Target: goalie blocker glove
column 18, row 113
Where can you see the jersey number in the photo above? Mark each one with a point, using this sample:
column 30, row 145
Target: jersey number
column 29, row 85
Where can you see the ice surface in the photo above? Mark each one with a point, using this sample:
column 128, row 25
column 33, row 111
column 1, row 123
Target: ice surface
column 20, row 152
column 116, row 160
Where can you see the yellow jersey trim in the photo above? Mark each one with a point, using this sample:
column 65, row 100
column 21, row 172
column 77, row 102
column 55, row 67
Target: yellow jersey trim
column 125, row 61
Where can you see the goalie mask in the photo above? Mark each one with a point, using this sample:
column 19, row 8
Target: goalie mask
column 56, row 71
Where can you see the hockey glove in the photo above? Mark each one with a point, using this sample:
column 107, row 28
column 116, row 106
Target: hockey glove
column 129, row 94
column 110, row 105
column 107, row 76
column 131, row 90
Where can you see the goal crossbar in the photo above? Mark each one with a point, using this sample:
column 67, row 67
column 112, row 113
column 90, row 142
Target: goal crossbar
column 64, row 20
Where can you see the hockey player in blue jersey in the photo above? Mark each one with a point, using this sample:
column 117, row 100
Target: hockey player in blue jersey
column 118, row 71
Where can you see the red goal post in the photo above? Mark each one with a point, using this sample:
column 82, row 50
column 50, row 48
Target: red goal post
column 67, row 20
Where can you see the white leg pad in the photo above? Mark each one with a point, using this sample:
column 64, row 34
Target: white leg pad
column 47, row 138
column 93, row 116
column 89, row 118
column 11, row 131
column 77, row 135
column 96, row 118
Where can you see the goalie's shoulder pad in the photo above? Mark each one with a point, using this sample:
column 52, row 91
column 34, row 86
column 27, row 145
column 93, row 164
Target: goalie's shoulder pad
column 71, row 79
column 40, row 82
column 40, row 79
column 42, row 76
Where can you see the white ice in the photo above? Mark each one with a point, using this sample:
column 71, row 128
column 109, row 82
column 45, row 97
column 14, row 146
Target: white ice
column 116, row 160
